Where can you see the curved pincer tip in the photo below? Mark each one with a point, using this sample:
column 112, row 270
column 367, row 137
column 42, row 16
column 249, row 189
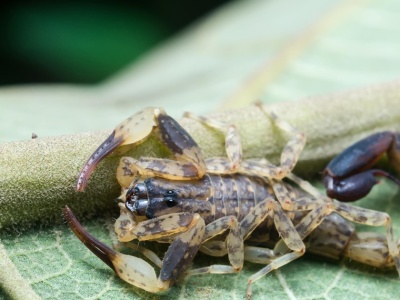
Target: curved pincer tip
column 132, row 131
column 109, row 145
column 102, row 251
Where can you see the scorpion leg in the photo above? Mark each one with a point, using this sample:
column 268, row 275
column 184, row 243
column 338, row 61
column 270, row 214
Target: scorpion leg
column 321, row 208
column 146, row 252
column 336, row 237
column 290, row 153
column 189, row 163
column 348, row 176
column 259, row 255
column 369, row 248
column 289, row 157
column 328, row 239
column 263, row 255
column 286, row 230
column 284, row 226
column 234, row 240
column 233, row 245
column 233, row 148
column 234, row 163
column 187, row 230
column 261, row 168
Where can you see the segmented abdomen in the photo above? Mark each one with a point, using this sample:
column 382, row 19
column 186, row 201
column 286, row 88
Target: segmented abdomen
column 235, row 194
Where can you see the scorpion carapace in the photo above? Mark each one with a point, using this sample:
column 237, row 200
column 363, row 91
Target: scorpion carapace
column 212, row 196
column 217, row 205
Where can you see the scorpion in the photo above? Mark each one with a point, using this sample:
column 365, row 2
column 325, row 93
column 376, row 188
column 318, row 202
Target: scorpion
column 220, row 206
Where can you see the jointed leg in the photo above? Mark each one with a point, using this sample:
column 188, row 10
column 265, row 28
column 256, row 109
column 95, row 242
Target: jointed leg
column 292, row 150
column 234, row 163
column 322, row 207
column 233, row 147
column 150, row 255
column 336, row 237
column 275, row 264
column 369, row 248
column 267, row 208
column 233, row 245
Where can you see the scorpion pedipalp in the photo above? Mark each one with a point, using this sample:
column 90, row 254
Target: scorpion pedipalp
column 134, row 130
column 129, row 268
column 136, row 271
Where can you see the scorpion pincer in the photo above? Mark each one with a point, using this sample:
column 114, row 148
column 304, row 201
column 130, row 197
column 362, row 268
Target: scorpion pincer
column 220, row 205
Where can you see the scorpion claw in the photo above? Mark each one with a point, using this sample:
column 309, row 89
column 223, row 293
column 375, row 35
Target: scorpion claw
column 105, row 253
column 129, row 268
column 109, row 145
column 132, row 131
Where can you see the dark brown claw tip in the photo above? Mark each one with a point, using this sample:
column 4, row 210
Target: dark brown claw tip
column 102, row 251
column 109, row 145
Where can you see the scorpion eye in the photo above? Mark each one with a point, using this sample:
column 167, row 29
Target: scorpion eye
column 170, row 202
column 170, row 198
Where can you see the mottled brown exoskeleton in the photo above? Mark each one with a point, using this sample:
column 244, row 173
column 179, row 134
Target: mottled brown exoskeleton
column 216, row 205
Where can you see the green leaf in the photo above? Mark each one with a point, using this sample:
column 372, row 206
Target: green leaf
column 275, row 50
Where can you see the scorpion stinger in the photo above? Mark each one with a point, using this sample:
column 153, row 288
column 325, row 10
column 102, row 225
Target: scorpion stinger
column 349, row 177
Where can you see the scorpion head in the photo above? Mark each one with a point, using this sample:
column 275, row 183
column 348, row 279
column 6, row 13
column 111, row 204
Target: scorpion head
column 155, row 197
column 137, row 199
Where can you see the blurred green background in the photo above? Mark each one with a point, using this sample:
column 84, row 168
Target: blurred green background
column 85, row 41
